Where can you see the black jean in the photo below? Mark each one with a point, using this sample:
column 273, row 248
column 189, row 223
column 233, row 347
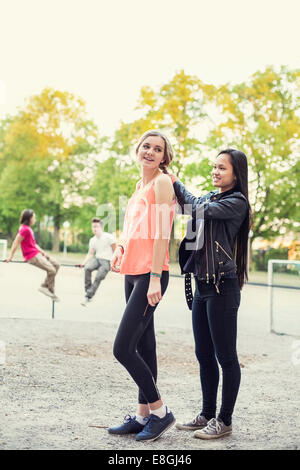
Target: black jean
column 215, row 333
column 135, row 345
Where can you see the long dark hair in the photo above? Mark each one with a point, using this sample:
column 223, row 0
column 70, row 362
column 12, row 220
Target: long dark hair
column 240, row 169
column 26, row 216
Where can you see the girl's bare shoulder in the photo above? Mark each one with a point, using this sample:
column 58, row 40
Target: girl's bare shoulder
column 163, row 180
column 164, row 187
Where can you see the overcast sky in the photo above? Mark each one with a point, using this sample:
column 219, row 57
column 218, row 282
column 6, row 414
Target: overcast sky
column 105, row 51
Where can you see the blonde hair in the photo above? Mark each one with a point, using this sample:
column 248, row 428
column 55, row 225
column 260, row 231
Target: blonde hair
column 168, row 151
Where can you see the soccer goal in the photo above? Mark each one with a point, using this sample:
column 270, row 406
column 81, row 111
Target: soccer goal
column 284, row 296
column 3, row 248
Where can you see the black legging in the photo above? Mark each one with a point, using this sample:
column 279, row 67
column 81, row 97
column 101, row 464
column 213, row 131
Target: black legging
column 135, row 345
column 215, row 332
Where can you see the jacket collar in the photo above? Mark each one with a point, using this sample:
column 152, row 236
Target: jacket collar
column 217, row 195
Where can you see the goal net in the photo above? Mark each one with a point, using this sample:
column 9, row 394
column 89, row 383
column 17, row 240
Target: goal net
column 3, row 248
column 284, row 296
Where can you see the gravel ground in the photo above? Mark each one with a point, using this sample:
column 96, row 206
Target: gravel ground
column 61, row 381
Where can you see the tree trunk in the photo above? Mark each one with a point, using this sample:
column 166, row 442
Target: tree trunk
column 56, row 238
column 250, row 254
column 38, row 233
column 173, row 247
column 10, row 239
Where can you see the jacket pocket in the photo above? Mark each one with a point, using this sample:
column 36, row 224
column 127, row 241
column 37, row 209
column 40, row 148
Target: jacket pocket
column 226, row 263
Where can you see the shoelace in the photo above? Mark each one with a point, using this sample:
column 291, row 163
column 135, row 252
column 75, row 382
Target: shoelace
column 197, row 419
column 128, row 418
column 213, row 425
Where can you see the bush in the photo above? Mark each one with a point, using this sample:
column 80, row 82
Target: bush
column 84, row 238
column 261, row 257
column 75, row 247
column 46, row 240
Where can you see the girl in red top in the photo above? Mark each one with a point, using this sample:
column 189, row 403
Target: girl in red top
column 143, row 257
column 33, row 254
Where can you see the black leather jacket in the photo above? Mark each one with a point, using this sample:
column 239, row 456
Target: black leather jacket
column 208, row 246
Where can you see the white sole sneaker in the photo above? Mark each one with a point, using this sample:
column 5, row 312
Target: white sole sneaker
column 186, row 427
column 202, row 435
column 46, row 291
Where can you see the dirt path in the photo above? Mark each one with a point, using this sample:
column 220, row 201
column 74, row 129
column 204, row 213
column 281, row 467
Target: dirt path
column 61, row 378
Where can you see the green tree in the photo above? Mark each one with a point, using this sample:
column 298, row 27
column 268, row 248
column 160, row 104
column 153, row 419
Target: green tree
column 52, row 145
column 22, row 180
column 178, row 108
column 112, row 181
column 261, row 117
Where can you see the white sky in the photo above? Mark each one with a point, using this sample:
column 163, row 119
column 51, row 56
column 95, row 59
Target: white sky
column 105, row 51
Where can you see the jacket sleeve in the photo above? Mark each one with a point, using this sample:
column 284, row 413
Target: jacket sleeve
column 186, row 200
column 230, row 207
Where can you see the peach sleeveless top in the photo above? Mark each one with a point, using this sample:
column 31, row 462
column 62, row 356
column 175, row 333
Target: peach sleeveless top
column 140, row 231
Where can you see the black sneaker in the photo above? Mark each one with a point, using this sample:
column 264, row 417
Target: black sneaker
column 129, row 426
column 156, row 427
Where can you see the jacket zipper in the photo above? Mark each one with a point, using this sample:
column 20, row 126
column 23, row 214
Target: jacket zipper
column 207, row 273
column 213, row 259
column 218, row 245
column 212, row 254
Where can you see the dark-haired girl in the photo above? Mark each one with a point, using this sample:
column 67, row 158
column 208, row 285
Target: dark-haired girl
column 215, row 251
column 33, row 254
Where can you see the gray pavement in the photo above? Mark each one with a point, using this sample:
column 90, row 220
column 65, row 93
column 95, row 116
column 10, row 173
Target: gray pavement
column 20, row 299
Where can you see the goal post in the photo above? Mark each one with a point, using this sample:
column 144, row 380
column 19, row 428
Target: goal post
column 3, row 248
column 287, row 303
